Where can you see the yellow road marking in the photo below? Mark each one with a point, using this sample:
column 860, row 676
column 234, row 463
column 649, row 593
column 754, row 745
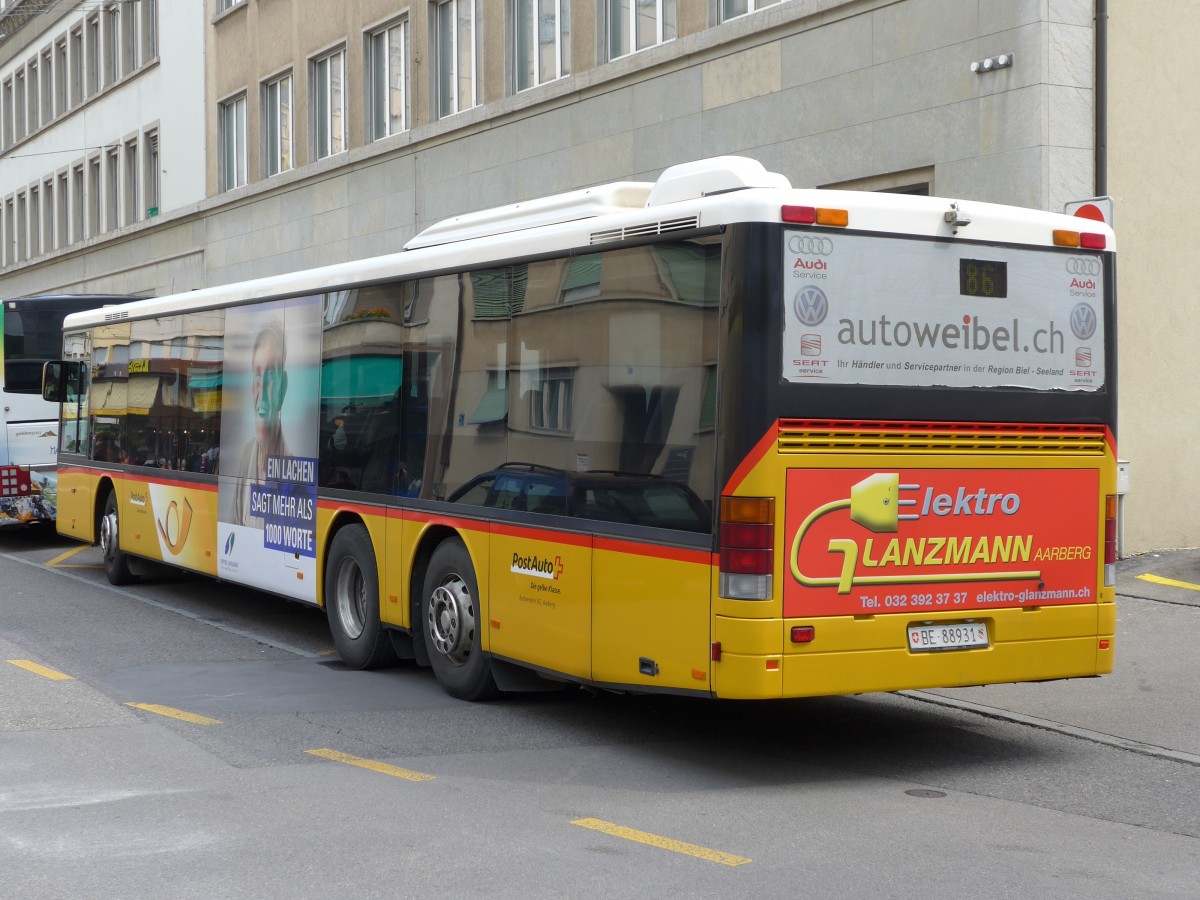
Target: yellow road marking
column 1157, row 579
column 57, row 561
column 175, row 713
column 654, row 840
column 40, row 670
column 382, row 768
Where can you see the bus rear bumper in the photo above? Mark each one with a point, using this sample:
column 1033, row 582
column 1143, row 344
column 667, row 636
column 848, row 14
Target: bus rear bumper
column 851, row 656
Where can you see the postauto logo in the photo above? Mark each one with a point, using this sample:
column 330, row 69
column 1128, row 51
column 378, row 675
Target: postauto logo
column 810, row 306
column 1083, row 321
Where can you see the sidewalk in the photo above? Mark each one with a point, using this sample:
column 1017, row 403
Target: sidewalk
column 1153, row 693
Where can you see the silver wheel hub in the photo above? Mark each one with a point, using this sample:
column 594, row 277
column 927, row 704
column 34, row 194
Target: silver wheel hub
column 350, row 598
column 108, row 535
column 451, row 620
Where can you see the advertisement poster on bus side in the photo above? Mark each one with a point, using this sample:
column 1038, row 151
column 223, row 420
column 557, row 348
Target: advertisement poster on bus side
column 885, row 311
column 866, row 541
column 268, row 452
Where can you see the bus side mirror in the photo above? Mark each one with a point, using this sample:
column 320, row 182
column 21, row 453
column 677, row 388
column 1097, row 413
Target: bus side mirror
column 61, row 380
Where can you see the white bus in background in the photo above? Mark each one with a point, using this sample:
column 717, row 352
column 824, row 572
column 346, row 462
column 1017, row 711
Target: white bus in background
column 32, row 328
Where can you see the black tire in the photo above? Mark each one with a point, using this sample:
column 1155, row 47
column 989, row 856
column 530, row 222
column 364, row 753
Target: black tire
column 116, row 563
column 352, row 601
column 450, row 623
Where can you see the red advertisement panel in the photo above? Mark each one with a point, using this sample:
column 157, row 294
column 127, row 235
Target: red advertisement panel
column 864, row 541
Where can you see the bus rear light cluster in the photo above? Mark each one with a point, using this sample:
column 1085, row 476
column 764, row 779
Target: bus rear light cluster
column 1110, row 540
column 747, row 541
column 14, row 482
column 1084, row 240
column 815, row 215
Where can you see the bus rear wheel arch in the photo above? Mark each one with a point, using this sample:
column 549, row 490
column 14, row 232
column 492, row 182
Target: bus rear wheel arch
column 450, row 623
column 352, row 600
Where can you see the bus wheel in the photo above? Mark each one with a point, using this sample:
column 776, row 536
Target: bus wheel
column 352, row 601
column 450, row 623
column 116, row 563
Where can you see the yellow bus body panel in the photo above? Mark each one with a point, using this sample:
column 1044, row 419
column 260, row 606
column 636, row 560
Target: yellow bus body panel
column 650, row 609
column 77, row 504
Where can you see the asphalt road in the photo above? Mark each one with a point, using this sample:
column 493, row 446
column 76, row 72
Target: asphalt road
column 1063, row 789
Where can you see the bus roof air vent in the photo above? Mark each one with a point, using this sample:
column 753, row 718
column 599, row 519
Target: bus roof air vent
column 646, row 229
column 620, row 196
column 114, row 316
column 693, row 180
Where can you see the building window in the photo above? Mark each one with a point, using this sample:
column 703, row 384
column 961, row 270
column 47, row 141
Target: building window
column 149, row 29
column 387, row 84
column 132, row 178
column 8, row 112
column 731, row 9
column 93, row 55
column 19, row 109
column 77, row 203
column 22, row 227
column 223, row 5
column 48, row 215
column 75, row 63
column 550, row 400
column 455, row 56
column 47, row 89
column 93, row 196
column 152, row 173
column 637, row 24
column 10, row 234
column 61, row 75
column 277, row 125
column 112, row 192
column 131, row 41
column 35, row 98
column 233, row 143
column 62, row 211
column 112, row 49
column 541, row 41
column 328, row 76
column 35, row 221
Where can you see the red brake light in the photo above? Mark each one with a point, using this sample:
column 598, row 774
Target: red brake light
column 799, row 215
column 1092, row 241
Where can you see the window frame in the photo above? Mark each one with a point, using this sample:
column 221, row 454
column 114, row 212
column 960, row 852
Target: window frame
column 327, row 105
column 383, row 120
column 562, row 42
column 232, row 161
column 278, row 124
column 664, row 31
column 450, row 82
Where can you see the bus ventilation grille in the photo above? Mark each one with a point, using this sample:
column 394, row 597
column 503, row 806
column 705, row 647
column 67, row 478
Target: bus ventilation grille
column 650, row 229
column 824, row 436
column 114, row 316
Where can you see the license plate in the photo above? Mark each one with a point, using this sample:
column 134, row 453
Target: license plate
column 947, row 637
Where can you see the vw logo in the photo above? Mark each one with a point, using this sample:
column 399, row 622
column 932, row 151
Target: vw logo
column 1083, row 265
column 810, row 306
column 1083, row 321
column 810, row 245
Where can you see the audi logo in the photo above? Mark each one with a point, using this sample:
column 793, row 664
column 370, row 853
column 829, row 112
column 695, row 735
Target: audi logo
column 1083, row 265
column 810, row 245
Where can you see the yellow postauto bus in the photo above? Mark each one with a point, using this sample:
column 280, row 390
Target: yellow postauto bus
column 710, row 435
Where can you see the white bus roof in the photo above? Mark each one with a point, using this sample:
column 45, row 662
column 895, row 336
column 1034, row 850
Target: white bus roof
column 696, row 195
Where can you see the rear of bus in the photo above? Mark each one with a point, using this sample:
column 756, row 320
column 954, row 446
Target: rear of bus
column 919, row 460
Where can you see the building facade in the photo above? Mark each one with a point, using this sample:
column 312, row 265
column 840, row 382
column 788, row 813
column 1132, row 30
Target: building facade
column 310, row 133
